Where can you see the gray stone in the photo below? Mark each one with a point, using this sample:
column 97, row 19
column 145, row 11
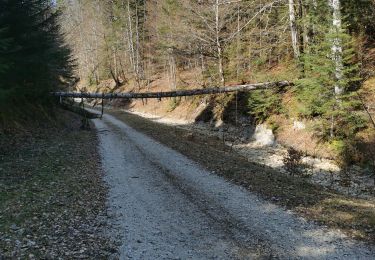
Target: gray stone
column 298, row 125
column 264, row 136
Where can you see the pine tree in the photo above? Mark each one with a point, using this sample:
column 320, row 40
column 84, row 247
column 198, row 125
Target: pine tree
column 318, row 90
column 34, row 57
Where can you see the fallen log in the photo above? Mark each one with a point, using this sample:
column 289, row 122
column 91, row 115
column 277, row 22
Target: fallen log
column 177, row 93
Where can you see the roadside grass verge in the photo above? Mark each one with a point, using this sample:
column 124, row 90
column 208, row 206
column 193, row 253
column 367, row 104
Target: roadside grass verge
column 356, row 217
column 52, row 196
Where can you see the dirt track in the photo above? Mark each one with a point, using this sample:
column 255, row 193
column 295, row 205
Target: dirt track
column 167, row 207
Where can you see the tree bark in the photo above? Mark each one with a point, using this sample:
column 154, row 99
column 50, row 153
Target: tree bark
column 218, row 44
column 293, row 29
column 130, row 38
column 337, row 45
column 172, row 72
column 178, row 93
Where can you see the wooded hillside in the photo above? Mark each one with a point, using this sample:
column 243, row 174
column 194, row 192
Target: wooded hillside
column 325, row 46
column 226, row 39
column 246, row 129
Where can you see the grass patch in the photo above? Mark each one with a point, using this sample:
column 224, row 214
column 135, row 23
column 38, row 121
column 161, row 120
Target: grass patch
column 357, row 217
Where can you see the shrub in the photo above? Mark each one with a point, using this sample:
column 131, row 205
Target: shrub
column 293, row 161
column 264, row 103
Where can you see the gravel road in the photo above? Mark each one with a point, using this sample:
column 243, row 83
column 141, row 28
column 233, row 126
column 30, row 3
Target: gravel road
column 165, row 206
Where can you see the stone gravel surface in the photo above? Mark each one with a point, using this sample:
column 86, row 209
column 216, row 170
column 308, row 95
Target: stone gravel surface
column 165, row 206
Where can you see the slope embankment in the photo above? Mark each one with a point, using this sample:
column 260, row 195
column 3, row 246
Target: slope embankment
column 52, row 196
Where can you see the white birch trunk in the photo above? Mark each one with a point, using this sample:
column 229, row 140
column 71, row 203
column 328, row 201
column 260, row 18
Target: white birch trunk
column 293, row 29
column 337, row 45
column 130, row 39
column 218, row 44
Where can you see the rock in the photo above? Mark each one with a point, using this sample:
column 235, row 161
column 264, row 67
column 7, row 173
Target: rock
column 298, row 125
column 21, row 231
column 219, row 123
column 264, row 136
column 247, row 132
column 17, row 243
column 31, row 243
column 14, row 227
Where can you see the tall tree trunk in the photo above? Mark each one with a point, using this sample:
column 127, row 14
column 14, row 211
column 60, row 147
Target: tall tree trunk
column 82, row 43
column 337, row 44
column 293, row 29
column 336, row 52
column 218, row 44
column 238, row 44
column 115, row 62
column 137, row 43
column 301, row 28
column 305, row 25
column 130, row 38
column 96, row 37
column 172, row 72
column 203, row 67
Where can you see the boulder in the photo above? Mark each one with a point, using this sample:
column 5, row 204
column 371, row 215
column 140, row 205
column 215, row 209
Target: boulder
column 264, row 136
column 298, row 125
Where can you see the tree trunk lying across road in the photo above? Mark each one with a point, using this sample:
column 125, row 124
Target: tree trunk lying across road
column 177, row 93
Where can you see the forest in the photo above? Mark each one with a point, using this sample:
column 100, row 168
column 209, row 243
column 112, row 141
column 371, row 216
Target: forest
column 34, row 59
column 187, row 129
column 325, row 47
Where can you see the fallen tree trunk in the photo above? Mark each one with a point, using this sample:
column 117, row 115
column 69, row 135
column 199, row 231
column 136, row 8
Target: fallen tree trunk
column 177, row 93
